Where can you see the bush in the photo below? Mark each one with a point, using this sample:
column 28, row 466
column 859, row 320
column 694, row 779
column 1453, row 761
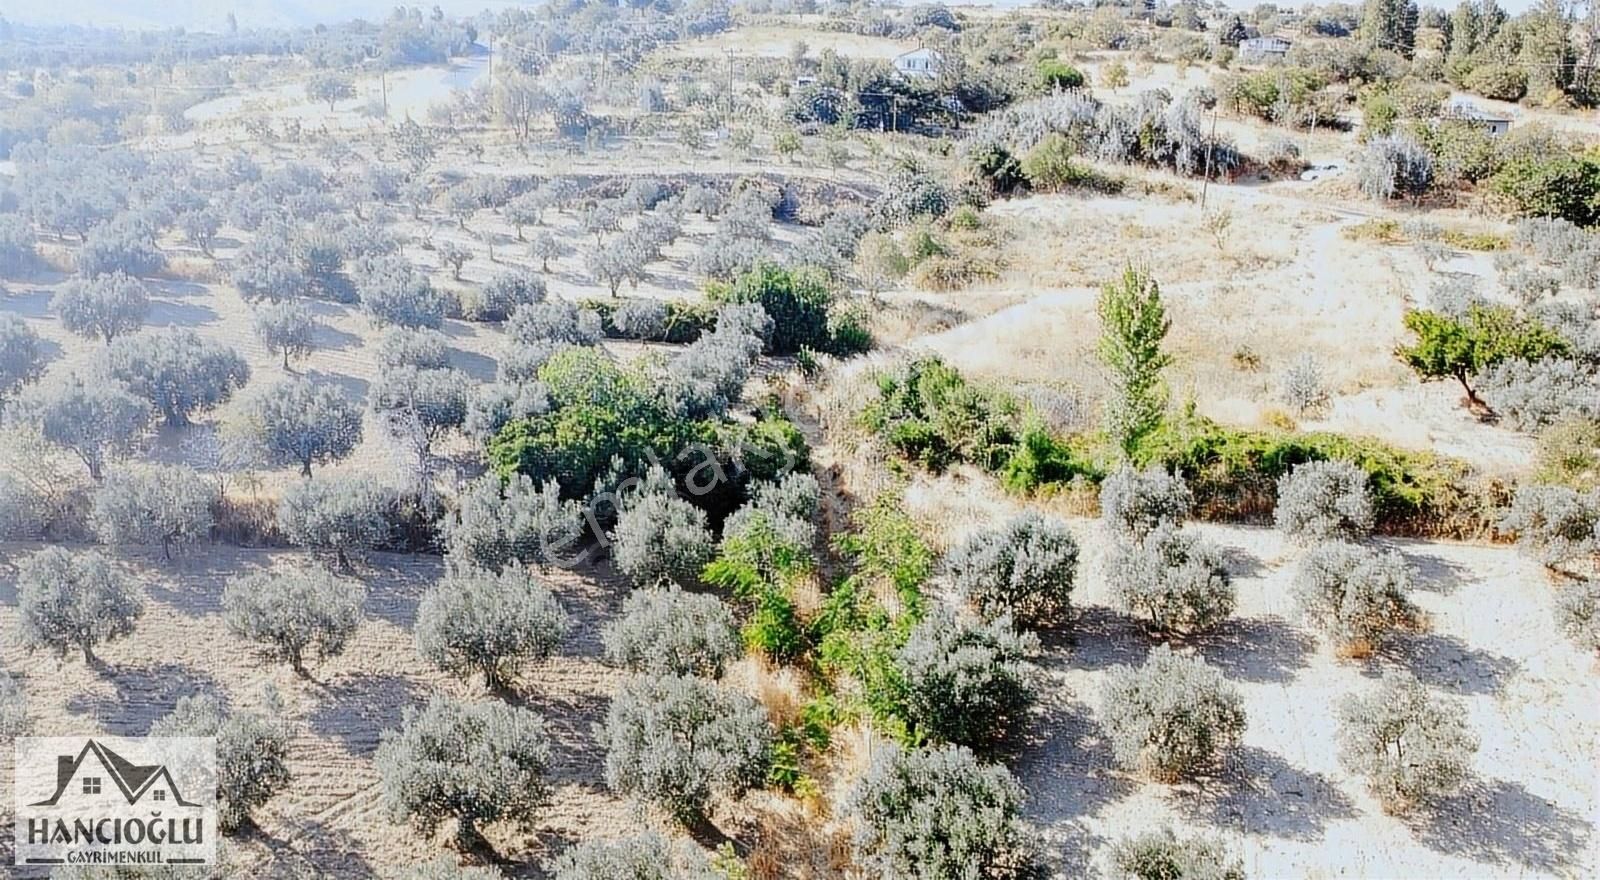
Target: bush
column 661, row 538
column 1025, row 569
column 1561, row 186
column 1554, row 524
column 499, row 522
column 796, row 300
column 94, row 421
column 161, row 504
column 937, row 812
column 68, row 601
column 489, row 623
column 337, row 514
column 20, row 359
column 1568, row 454
column 1133, row 327
column 553, row 321
column 503, row 294
column 1134, row 502
column 1171, row 716
column 670, row 632
column 178, row 371
column 1318, row 500
column 294, row 613
column 1502, row 82
column 1172, row 580
column 1054, row 74
column 16, row 245
column 646, row 856
column 475, row 763
column 102, row 307
column 641, row 319
column 393, row 292
column 1412, row 747
column 252, row 752
column 966, row 682
column 299, row 423
column 1393, row 166
column 419, row 348
column 1578, row 613
column 677, row 742
column 1302, row 388
column 1163, row 855
column 1354, row 595
column 1529, row 395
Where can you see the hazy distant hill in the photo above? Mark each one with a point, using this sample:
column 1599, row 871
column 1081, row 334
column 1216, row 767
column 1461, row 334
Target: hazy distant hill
column 212, row 15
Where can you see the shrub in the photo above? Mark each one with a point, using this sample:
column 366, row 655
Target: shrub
column 1554, row 524
column 966, row 682
column 552, row 321
column 1529, row 395
column 475, row 763
column 1578, row 613
column 68, row 601
column 1025, row 569
column 661, row 538
column 1353, row 594
column 499, row 522
column 498, row 404
column 178, row 371
column 796, row 300
column 1562, row 186
column 937, row 812
column 168, row 505
column 252, row 752
column 710, row 374
column 1502, row 82
column 645, row 856
column 475, row 621
column 102, row 307
column 641, row 319
column 1568, row 454
column 95, row 421
column 502, row 294
column 1324, row 499
column 670, row 632
column 1412, row 747
column 1170, row 716
column 677, row 742
column 294, row 613
column 1173, row 580
column 393, row 292
column 1303, row 388
column 1163, row 855
column 299, row 423
column 1134, row 502
column 14, row 721
column 1054, row 74
column 420, row 348
column 16, row 245
column 1393, row 166
column 339, row 514
column 287, row 328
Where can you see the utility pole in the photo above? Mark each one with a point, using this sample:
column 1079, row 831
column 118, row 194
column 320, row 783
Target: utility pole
column 1210, row 146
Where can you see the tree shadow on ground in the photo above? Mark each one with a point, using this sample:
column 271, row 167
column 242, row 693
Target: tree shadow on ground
column 576, row 757
column 353, row 386
column 1241, row 563
column 32, row 304
column 1067, row 850
column 329, row 338
column 1259, row 649
column 179, row 314
column 356, row 709
column 1066, row 763
column 1435, row 574
column 1101, row 637
column 1258, row 792
column 477, row 366
column 313, row 849
column 143, row 695
column 1499, row 822
column 395, row 588
column 1447, row 662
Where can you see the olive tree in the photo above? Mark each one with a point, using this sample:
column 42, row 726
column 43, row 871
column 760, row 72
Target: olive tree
column 14, row 720
column 1411, row 746
column 1556, row 525
column 338, row 514
column 21, row 361
column 502, row 294
column 1134, row 502
column 252, row 752
column 1578, row 613
column 297, row 422
column 966, row 681
column 392, row 291
column 330, row 86
column 645, row 856
column 545, row 247
column 1161, row 854
column 1319, row 500
column 103, row 306
column 1170, row 716
column 1025, row 568
column 177, row 370
column 418, row 407
column 95, row 421
column 475, row 763
column 293, row 614
column 1355, row 595
column 937, row 812
column 148, row 504
column 68, row 601
column 676, row 742
column 670, row 632
column 488, row 623
column 1172, row 580
column 287, row 328
column 661, row 538
column 644, row 319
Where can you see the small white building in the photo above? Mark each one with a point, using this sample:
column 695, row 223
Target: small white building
column 1495, row 123
column 924, row 63
column 1264, row 48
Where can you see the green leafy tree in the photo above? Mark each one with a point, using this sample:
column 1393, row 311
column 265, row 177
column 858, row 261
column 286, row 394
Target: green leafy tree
column 1390, row 25
column 1462, row 347
column 1133, row 326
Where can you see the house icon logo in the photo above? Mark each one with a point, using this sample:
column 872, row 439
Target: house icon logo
column 115, row 801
